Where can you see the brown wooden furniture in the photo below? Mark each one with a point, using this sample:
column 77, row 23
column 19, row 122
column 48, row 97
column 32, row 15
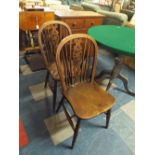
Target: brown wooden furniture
column 76, row 59
column 30, row 21
column 49, row 36
column 80, row 21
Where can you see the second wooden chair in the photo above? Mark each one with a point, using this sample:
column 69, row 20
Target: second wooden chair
column 49, row 36
column 76, row 59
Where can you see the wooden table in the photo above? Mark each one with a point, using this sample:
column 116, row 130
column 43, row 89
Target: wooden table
column 32, row 20
column 121, row 41
column 80, row 21
column 28, row 20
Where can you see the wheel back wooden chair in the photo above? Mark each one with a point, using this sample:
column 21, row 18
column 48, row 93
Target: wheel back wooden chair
column 49, row 36
column 76, row 59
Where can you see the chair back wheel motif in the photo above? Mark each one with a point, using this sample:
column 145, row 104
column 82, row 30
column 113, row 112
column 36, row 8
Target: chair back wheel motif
column 49, row 36
column 76, row 59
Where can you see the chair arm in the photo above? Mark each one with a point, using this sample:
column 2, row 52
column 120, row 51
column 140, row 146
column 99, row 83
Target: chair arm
column 123, row 18
column 89, row 6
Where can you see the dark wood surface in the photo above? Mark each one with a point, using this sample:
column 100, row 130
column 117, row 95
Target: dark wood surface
column 80, row 21
column 89, row 100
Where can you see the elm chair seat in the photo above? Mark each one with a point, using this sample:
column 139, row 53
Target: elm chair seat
column 89, row 100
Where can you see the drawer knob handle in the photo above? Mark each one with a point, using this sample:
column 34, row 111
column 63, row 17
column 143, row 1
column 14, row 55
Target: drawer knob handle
column 37, row 26
column 92, row 23
column 73, row 24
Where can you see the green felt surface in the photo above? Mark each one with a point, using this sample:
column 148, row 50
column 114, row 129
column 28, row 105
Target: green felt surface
column 120, row 39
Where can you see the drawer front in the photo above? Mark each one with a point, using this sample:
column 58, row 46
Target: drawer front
column 75, row 23
column 89, row 22
column 29, row 19
column 79, row 31
column 49, row 16
column 22, row 21
column 34, row 18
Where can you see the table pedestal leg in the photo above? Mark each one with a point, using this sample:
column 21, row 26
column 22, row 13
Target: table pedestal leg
column 125, row 82
column 106, row 74
column 115, row 73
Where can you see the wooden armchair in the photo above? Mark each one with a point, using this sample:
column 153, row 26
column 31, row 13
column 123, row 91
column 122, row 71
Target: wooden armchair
column 76, row 59
column 49, row 36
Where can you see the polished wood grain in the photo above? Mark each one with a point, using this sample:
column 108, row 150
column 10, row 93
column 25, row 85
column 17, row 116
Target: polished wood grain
column 49, row 36
column 28, row 20
column 76, row 59
column 80, row 21
column 89, row 100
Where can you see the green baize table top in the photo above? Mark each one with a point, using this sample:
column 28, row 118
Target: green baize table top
column 120, row 39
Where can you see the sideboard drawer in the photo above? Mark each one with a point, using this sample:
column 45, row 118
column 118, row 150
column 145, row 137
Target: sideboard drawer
column 35, row 18
column 75, row 23
column 22, row 21
column 28, row 20
column 49, row 16
column 89, row 22
column 79, row 21
column 79, row 31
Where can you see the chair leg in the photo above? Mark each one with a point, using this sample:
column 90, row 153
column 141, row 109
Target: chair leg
column 54, row 94
column 109, row 85
column 60, row 104
column 46, row 79
column 108, row 114
column 76, row 132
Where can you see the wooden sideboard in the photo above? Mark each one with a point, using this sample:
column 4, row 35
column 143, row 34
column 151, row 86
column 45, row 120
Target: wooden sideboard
column 79, row 21
column 28, row 20
column 31, row 19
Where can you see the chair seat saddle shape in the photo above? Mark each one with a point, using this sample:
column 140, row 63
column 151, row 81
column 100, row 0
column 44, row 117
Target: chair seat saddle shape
column 76, row 60
column 89, row 100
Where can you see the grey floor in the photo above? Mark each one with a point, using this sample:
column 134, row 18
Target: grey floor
column 47, row 138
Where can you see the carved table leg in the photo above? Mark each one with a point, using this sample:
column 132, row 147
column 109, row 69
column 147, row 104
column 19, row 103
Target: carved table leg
column 115, row 74
column 125, row 82
column 115, row 71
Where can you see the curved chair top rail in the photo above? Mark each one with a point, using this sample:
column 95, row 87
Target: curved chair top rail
column 49, row 41
column 79, row 58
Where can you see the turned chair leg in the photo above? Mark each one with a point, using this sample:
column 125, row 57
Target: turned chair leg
column 109, row 85
column 76, row 132
column 108, row 115
column 54, row 94
column 60, row 103
column 46, row 79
